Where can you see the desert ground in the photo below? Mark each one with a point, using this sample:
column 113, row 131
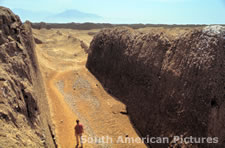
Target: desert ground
column 74, row 93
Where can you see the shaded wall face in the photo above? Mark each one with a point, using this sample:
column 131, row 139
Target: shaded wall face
column 170, row 87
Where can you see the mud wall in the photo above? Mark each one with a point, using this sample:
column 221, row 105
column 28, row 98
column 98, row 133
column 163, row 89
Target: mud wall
column 171, row 87
column 24, row 112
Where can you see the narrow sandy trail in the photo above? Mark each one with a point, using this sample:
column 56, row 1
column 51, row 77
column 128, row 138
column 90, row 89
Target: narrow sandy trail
column 74, row 93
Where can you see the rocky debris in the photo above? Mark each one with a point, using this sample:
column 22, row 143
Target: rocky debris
column 37, row 41
column 116, row 109
column 84, row 46
column 73, row 39
column 92, row 33
column 22, row 94
column 59, row 33
column 170, row 86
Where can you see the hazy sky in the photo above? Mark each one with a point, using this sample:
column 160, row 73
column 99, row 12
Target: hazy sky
column 135, row 11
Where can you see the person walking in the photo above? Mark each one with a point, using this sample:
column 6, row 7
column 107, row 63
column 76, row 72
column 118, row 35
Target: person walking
column 78, row 133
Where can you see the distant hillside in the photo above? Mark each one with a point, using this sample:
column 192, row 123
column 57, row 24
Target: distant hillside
column 87, row 26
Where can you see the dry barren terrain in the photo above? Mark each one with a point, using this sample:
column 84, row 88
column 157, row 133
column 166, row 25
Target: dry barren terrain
column 74, row 93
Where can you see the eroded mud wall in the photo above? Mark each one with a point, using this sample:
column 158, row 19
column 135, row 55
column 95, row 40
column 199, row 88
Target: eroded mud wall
column 24, row 113
column 171, row 87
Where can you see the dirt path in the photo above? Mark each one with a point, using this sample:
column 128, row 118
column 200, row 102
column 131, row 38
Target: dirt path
column 74, row 93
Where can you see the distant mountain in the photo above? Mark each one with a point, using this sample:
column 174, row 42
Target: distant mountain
column 77, row 14
column 74, row 16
